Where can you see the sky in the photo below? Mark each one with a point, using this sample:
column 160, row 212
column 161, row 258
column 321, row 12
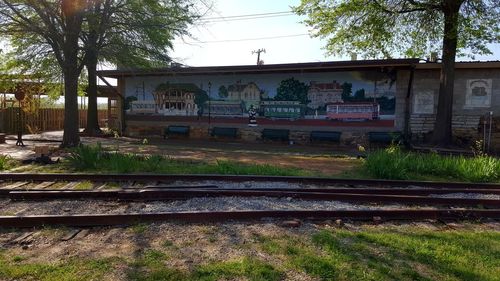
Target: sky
column 298, row 47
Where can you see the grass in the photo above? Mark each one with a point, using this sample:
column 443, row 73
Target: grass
column 84, row 185
column 6, row 162
column 151, row 266
column 392, row 254
column 379, row 253
column 393, row 163
column 97, row 159
column 73, row 269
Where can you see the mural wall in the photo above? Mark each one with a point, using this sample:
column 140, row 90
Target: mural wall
column 342, row 96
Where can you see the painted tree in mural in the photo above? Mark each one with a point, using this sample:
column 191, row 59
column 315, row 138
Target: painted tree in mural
column 408, row 28
column 346, row 91
column 223, row 93
column 56, row 27
column 292, row 90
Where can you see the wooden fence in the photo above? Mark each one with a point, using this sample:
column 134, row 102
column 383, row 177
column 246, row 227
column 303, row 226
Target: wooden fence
column 45, row 119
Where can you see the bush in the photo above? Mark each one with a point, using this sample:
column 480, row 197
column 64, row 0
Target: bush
column 393, row 163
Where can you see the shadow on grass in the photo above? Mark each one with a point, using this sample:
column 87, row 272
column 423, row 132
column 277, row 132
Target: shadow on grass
column 392, row 255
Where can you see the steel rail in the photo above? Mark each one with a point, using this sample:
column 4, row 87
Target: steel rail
column 6, row 193
column 184, row 194
column 92, row 220
column 237, row 178
column 363, row 190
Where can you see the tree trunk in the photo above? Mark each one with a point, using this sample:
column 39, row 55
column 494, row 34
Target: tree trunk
column 92, row 128
column 73, row 20
column 442, row 134
column 71, row 126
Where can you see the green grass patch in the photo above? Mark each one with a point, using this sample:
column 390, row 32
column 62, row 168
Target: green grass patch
column 97, row 159
column 151, row 266
column 394, row 163
column 249, row 268
column 84, row 185
column 393, row 253
column 16, row 268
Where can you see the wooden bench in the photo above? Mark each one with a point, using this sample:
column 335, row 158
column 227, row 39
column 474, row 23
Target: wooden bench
column 276, row 134
column 325, row 136
column 176, row 130
column 385, row 137
column 224, row 132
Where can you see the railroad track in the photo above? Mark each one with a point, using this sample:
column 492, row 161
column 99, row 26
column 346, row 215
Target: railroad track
column 45, row 187
column 23, row 177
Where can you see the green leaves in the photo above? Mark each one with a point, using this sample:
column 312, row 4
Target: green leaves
column 391, row 28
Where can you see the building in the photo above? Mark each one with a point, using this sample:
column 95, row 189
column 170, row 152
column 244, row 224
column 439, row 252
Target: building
column 176, row 99
column 412, row 96
column 248, row 93
column 320, row 94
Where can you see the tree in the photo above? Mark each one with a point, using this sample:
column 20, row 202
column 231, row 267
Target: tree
column 132, row 33
column 346, row 91
column 56, row 26
column 360, row 95
column 409, row 28
column 292, row 90
column 223, row 92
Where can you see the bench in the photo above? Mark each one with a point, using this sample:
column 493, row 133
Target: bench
column 224, row 132
column 176, row 130
column 276, row 134
column 385, row 137
column 325, row 136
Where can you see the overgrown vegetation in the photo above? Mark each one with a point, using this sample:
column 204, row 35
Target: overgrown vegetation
column 394, row 163
column 6, row 162
column 94, row 158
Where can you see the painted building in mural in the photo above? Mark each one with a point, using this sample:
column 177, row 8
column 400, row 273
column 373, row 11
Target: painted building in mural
column 320, row 94
column 347, row 96
column 249, row 94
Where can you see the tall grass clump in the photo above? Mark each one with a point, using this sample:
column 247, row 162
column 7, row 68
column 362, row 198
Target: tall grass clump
column 6, row 162
column 86, row 157
column 394, row 163
column 96, row 158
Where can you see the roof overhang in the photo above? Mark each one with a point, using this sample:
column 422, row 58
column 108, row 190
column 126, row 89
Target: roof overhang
column 261, row 69
column 462, row 65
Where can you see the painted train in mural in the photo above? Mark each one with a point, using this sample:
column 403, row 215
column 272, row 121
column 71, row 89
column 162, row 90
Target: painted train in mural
column 360, row 96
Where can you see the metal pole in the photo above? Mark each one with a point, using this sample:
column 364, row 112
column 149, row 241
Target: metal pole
column 209, row 107
column 484, row 135
column 489, row 132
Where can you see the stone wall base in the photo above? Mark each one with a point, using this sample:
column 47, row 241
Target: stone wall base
column 250, row 134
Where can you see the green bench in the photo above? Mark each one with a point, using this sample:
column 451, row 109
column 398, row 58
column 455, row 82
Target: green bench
column 325, row 136
column 385, row 137
column 224, row 132
column 276, row 134
column 176, row 130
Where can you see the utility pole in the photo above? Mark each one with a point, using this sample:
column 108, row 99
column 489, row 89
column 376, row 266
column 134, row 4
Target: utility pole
column 258, row 55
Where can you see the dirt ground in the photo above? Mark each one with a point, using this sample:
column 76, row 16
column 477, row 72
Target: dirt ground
column 320, row 159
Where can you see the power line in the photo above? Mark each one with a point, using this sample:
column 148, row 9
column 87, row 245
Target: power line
column 246, row 39
column 249, row 15
column 247, row 18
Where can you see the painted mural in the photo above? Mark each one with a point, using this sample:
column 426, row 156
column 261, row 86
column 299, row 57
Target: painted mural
column 342, row 96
